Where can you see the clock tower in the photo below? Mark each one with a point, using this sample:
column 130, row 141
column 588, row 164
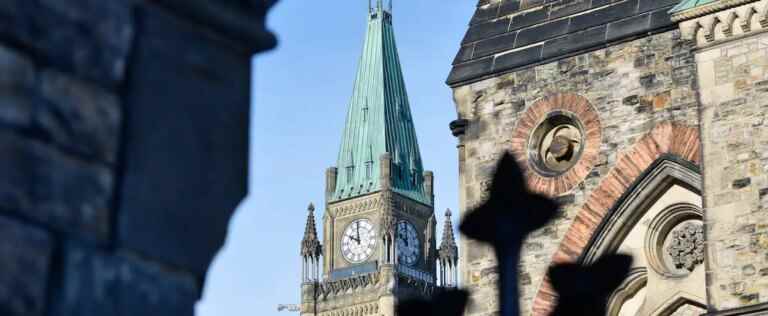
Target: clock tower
column 378, row 243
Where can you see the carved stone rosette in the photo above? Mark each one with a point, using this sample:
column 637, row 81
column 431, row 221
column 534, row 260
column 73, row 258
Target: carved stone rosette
column 687, row 246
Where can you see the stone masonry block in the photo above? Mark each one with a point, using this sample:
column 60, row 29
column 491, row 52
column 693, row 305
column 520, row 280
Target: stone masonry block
column 17, row 74
column 78, row 116
column 25, row 255
column 97, row 284
column 44, row 185
column 91, row 38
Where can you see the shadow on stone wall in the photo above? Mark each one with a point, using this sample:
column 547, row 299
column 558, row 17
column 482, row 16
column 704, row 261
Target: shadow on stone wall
column 509, row 214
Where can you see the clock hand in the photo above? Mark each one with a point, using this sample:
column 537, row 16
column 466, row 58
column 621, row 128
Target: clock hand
column 358, row 233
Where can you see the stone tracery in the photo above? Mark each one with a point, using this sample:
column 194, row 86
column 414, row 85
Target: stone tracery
column 687, row 246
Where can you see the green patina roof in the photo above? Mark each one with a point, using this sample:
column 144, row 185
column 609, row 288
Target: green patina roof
column 690, row 4
column 379, row 121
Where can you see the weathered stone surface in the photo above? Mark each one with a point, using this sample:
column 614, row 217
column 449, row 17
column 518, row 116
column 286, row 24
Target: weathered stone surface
column 17, row 74
column 45, row 185
column 735, row 142
column 63, row 70
column 611, row 80
column 96, row 283
column 25, row 257
column 79, row 116
column 91, row 38
column 186, row 144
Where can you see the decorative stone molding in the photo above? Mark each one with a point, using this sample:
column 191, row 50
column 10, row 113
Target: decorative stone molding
column 371, row 308
column 666, row 247
column 423, row 286
column 636, row 281
column 687, row 246
column 458, row 127
column 343, row 286
column 666, row 138
column 377, row 201
column 355, row 206
column 664, row 172
column 723, row 21
column 524, row 140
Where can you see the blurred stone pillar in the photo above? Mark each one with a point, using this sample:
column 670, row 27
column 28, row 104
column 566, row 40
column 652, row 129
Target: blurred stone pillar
column 124, row 132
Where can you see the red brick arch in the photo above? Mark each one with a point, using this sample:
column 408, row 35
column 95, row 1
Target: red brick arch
column 582, row 110
column 666, row 138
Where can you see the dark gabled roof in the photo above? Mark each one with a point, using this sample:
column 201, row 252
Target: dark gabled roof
column 506, row 35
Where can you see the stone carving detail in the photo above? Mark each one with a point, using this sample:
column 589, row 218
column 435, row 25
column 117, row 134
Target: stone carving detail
column 388, row 225
column 687, row 246
column 354, row 283
column 706, row 27
column 557, row 139
column 559, row 147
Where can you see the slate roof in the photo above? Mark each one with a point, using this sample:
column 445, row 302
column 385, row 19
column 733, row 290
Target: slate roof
column 508, row 35
column 379, row 121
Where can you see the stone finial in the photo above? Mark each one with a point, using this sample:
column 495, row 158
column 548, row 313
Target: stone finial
column 448, row 249
column 310, row 245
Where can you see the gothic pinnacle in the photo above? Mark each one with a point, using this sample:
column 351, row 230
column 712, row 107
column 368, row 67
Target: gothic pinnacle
column 310, row 245
column 448, row 248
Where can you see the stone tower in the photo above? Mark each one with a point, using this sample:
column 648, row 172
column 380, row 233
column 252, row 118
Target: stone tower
column 379, row 243
column 646, row 121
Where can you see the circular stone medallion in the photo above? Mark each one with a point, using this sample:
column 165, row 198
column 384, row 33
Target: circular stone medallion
column 556, row 144
column 557, row 141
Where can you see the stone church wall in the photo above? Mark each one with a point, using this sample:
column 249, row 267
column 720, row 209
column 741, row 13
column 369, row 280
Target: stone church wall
column 123, row 128
column 632, row 87
column 734, row 94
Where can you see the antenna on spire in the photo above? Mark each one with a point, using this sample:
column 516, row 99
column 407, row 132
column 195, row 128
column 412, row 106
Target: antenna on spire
column 379, row 5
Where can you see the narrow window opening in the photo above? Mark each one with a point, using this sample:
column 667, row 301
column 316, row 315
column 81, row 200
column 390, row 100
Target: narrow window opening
column 350, row 173
column 369, row 169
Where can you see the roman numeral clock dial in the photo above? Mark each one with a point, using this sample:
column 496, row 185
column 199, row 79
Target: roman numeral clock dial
column 358, row 241
column 407, row 243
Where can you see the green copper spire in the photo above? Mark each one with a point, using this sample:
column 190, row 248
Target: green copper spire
column 379, row 121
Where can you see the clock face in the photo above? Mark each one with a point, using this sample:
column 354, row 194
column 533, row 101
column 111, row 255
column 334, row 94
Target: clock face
column 407, row 243
column 358, row 241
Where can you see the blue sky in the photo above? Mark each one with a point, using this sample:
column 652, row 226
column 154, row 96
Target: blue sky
column 300, row 94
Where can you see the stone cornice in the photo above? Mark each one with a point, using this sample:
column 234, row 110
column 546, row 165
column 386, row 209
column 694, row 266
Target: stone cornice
column 242, row 22
column 376, row 201
column 344, row 286
column 708, row 9
column 723, row 21
column 355, row 206
column 371, row 308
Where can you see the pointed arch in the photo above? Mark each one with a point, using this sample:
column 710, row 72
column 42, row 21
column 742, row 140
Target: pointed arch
column 668, row 139
column 666, row 171
column 677, row 301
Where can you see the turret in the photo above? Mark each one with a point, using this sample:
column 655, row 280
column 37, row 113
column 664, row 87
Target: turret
column 448, row 255
column 311, row 249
